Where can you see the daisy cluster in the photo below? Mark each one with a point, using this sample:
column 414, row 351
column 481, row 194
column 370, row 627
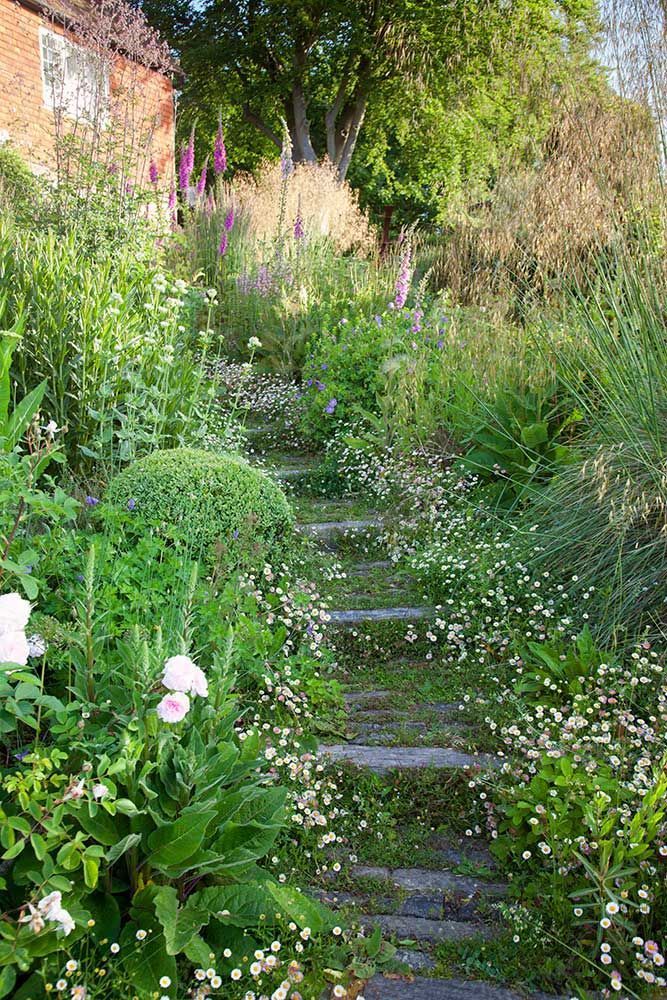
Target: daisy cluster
column 583, row 795
column 294, row 604
column 276, row 399
column 278, row 971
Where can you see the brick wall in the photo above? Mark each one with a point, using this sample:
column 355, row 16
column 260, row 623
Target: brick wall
column 142, row 101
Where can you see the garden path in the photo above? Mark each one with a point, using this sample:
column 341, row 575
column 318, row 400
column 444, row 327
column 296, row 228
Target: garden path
column 427, row 905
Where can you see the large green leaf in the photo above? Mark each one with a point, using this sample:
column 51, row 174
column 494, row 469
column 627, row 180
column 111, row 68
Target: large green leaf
column 174, row 843
column 147, row 961
column 240, row 844
column 179, row 924
column 303, row 910
column 535, row 434
column 21, row 416
column 117, row 850
column 245, row 904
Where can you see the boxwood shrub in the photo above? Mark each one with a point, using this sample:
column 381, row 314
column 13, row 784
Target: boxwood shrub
column 205, row 498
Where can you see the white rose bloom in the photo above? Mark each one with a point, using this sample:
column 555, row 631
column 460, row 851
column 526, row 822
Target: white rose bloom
column 14, row 613
column 14, row 648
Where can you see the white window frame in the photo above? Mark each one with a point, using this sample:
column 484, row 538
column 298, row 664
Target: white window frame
column 76, row 98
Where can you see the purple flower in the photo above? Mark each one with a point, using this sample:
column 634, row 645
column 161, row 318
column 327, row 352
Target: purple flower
column 263, row 282
column 320, row 386
column 201, row 183
column 153, row 172
column 404, row 275
column 229, row 220
column 299, row 231
column 187, row 163
column 286, row 164
column 331, row 406
column 131, row 503
column 378, row 320
column 92, row 501
column 219, row 151
column 243, row 282
column 172, row 199
column 222, row 246
column 441, row 344
column 324, row 367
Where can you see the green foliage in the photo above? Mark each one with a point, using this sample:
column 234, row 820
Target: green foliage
column 112, row 339
column 551, row 675
column 604, row 516
column 208, row 498
column 518, row 442
column 24, row 509
column 344, row 364
column 427, row 124
column 19, row 188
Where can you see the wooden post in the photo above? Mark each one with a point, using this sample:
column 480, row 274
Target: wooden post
column 386, row 228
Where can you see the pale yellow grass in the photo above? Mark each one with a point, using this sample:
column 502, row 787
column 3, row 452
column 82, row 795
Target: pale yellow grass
column 594, row 177
column 329, row 209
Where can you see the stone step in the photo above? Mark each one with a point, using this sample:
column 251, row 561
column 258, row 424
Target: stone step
column 381, row 760
column 429, row 931
column 419, row 961
column 330, row 530
column 391, row 731
column 362, row 617
column 428, row 880
column 384, row 988
column 366, row 568
column 361, row 698
column 290, row 474
column 370, row 702
column 429, row 907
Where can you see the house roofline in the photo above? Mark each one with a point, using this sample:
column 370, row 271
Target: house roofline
column 45, row 9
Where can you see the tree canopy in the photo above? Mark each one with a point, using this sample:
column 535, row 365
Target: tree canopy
column 394, row 90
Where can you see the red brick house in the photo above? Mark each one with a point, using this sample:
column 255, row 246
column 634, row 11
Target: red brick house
column 89, row 68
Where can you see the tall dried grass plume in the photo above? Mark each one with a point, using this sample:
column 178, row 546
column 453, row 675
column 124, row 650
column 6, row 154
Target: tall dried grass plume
column 593, row 177
column 328, row 207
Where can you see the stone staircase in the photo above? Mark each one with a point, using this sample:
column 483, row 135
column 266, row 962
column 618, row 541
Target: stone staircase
column 420, row 906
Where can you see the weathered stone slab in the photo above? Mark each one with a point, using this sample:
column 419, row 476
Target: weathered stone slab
column 365, row 698
column 382, row 759
column 369, row 615
column 430, row 907
column 290, row 473
column 367, row 568
column 426, row 880
column 329, row 529
column 381, row 988
column 422, row 929
column 419, row 961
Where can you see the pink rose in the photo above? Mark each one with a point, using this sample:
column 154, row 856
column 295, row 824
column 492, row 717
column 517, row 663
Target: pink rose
column 173, row 707
column 181, row 674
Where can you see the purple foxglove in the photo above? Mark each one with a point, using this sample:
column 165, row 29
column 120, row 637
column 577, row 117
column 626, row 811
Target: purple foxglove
column 201, row 183
column 219, row 151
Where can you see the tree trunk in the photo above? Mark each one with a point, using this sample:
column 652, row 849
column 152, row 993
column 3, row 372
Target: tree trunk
column 303, row 147
column 357, row 120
